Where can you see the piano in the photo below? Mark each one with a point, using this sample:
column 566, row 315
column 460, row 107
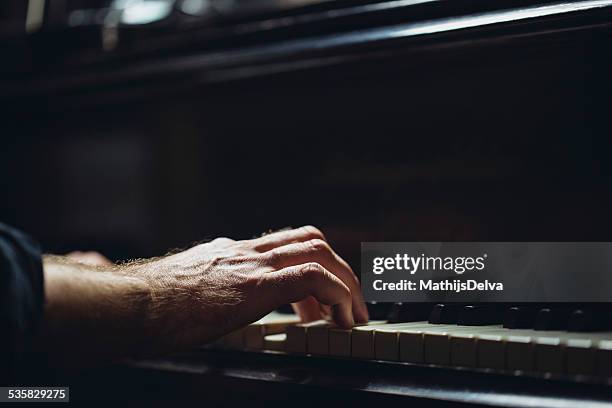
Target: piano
column 544, row 355
column 414, row 120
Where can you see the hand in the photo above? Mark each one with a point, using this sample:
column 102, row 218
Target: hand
column 211, row 289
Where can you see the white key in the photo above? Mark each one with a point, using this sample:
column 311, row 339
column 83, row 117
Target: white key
column 272, row 323
column 491, row 350
column 318, row 339
column 462, row 344
column 340, row 339
column 581, row 352
column 549, row 354
column 411, row 342
column 604, row 358
column 579, row 356
column 411, row 348
column 463, row 350
column 565, row 352
column 484, row 347
column 520, row 353
column 386, row 340
column 297, row 338
column 362, row 339
column 233, row 340
column 340, row 342
column 437, row 342
column 275, row 342
column 254, row 337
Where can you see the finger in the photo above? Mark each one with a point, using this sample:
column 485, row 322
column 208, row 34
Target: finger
column 320, row 252
column 326, row 311
column 280, row 238
column 296, row 283
column 308, row 309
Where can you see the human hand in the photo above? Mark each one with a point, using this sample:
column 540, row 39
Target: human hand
column 211, row 289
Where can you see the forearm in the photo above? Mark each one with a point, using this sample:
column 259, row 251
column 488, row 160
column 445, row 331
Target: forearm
column 92, row 314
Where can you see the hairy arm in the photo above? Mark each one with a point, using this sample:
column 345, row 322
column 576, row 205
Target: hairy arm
column 108, row 312
column 92, row 314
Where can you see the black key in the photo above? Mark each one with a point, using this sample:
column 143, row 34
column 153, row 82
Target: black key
column 588, row 319
column 379, row 310
column 286, row 309
column 520, row 317
column 409, row 312
column 552, row 318
column 444, row 313
column 479, row 315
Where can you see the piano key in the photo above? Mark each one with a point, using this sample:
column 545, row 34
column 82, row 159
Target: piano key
column 519, row 317
column 505, row 349
column 436, row 348
column 491, row 349
column 340, row 339
column 590, row 319
column 297, row 336
column 386, row 345
column 275, row 342
column 527, row 350
column 579, row 356
column 379, row 310
column 549, row 354
column 560, row 352
column 444, row 313
column 362, row 338
column 386, row 341
column 409, row 312
column 479, row 315
column 362, row 341
column 463, row 350
column 604, row 358
column 412, row 342
column 272, row 323
column 520, row 354
column 340, row 342
column 574, row 353
column 554, row 318
column 233, row 340
column 581, row 351
column 437, row 342
column 318, row 339
column 484, row 347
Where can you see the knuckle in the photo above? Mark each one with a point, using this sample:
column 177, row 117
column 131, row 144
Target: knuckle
column 312, row 270
column 222, row 240
column 272, row 257
column 313, row 232
column 318, row 245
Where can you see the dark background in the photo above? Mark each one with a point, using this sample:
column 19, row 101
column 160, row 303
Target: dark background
column 489, row 135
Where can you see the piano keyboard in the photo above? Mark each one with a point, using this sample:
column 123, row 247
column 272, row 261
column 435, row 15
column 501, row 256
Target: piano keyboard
column 477, row 340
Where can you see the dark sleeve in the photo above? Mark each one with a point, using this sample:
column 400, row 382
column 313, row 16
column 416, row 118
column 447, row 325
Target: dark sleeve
column 21, row 298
